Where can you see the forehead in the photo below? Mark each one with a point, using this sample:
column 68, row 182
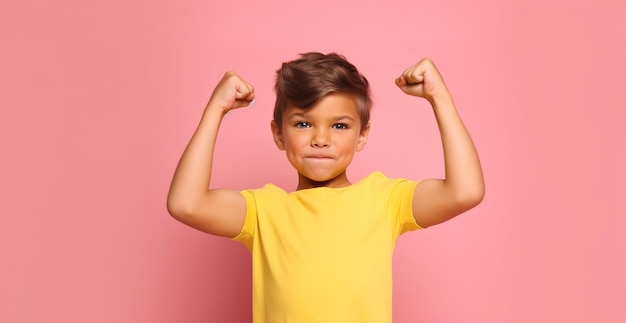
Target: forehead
column 332, row 106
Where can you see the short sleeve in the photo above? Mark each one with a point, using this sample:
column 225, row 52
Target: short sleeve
column 401, row 203
column 248, row 230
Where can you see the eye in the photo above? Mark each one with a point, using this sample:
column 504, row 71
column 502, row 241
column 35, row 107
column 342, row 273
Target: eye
column 302, row 124
column 340, row 126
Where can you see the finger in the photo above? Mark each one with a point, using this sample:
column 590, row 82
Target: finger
column 242, row 103
column 414, row 74
column 250, row 96
column 415, row 79
column 244, row 91
column 401, row 81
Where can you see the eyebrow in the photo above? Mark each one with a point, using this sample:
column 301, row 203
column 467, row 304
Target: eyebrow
column 304, row 115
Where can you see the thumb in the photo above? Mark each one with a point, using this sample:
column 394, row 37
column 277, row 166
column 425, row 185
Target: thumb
column 401, row 81
column 413, row 79
column 244, row 92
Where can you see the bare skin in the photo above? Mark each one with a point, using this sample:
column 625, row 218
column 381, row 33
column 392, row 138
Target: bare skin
column 333, row 140
column 438, row 200
column 191, row 199
column 321, row 141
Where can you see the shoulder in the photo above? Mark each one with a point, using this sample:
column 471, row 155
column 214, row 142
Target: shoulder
column 268, row 191
column 379, row 180
column 267, row 188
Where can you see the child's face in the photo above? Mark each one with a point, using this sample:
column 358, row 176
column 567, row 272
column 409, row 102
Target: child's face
column 320, row 142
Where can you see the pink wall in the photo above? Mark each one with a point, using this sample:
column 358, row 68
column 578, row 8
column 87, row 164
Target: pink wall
column 98, row 99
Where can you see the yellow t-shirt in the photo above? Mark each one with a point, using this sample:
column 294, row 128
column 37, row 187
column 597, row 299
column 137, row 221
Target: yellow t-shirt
column 324, row 254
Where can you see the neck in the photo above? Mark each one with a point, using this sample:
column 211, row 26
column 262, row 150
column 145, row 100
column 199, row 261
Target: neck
column 339, row 181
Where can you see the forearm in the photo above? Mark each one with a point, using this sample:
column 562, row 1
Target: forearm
column 193, row 174
column 463, row 174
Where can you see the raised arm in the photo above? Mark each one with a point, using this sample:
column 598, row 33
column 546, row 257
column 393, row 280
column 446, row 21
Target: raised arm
column 438, row 200
column 191, row 200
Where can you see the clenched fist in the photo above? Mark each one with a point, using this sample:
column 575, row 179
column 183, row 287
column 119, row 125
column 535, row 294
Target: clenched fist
column 231, row 92
column 423, row 80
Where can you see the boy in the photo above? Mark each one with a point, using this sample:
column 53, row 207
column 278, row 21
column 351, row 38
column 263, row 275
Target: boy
column 323, row 252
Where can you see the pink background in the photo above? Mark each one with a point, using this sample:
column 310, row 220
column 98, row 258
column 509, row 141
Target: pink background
column 99, row 98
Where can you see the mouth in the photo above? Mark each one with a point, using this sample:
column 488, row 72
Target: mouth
column 318, row 157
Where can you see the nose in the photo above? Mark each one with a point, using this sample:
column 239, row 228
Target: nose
column 320, row 138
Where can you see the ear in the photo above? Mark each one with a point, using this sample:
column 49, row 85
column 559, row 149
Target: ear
column 360, row 144
column 278, row 135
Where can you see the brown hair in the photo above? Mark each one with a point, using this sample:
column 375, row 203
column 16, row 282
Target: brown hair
column 305, row 81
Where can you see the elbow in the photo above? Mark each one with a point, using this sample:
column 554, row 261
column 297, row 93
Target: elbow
column 470, row 198
column 179, row 209
column 175, row 210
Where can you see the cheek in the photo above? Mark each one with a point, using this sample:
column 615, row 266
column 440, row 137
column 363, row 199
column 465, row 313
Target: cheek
column 294, row 141
column 348, row 145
